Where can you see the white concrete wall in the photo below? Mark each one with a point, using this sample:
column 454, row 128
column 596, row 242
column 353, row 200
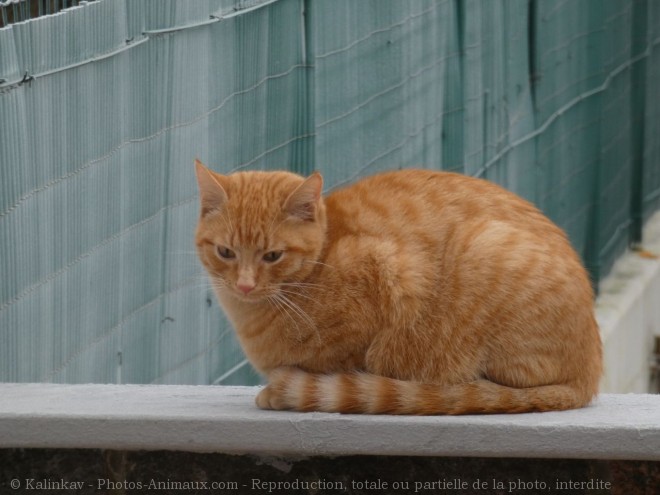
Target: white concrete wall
column 628, row 312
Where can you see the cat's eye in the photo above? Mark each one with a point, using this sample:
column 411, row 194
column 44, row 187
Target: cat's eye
column 225, row 253
column 272, row 256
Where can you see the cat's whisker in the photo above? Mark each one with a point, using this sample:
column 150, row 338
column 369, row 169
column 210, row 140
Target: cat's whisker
column 300, row 288
column 281, row 299
column 296, row 309
column 218, row 286
column 301, row 313
column 200, row 281
column 293, row 293
column 302, row 285
column 217, row 283
column 274, row 300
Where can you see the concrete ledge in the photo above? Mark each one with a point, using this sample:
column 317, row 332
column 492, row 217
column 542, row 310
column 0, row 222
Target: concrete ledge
column 225, row 420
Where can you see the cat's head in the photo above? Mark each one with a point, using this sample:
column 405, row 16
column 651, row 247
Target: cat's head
column 259, row 231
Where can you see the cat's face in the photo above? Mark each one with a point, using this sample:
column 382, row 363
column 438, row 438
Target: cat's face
column 259, row 233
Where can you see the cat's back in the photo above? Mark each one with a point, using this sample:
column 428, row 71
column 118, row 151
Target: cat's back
column 458, row 245
column 429, row 202
column 440, row 222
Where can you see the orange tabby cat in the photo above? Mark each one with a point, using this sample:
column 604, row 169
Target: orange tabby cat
column 410, row 292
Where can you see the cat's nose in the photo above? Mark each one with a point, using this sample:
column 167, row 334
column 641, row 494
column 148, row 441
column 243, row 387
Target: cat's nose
column 245, row 288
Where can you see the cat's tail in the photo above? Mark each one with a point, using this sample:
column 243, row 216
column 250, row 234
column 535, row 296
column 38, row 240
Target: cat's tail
column 294, row 389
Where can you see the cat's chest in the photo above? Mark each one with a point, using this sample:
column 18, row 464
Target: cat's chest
column 280, row 343
column 313, row 340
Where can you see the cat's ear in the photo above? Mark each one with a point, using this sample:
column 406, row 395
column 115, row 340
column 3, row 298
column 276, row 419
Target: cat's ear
column 211, row 192
column 304, row 201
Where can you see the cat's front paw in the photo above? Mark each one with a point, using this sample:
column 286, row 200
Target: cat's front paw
column 269, row 398
column 274, row 395
column 263, row 398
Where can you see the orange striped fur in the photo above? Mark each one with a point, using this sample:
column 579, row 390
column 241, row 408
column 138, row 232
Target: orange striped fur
column 410, row 292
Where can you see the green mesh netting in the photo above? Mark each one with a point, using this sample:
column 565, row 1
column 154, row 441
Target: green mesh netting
column 104, row 106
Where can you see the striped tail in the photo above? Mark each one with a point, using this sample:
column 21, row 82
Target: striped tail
column 294, row 389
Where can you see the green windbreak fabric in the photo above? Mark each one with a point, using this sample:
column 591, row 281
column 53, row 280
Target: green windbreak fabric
column 104, row 106
column 590, row 107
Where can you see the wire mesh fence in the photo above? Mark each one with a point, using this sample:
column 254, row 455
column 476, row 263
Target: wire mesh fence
column 104, row 106
column 13, row 11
